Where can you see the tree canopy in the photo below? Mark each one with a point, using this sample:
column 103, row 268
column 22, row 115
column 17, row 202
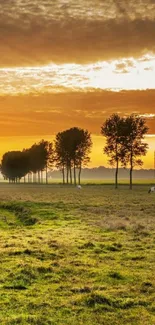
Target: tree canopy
column 17, row 164
column 125, row 141
column 113, row 131
column 134, row 145
column 72, row 148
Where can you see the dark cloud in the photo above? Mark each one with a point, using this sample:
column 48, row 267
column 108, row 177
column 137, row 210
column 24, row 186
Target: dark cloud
column 83, row 31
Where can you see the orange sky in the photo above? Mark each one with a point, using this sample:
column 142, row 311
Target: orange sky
column 97, row 156
column 74, row 63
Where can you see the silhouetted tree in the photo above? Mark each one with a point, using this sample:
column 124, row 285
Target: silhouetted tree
column 113, row 131
column 48, row 156
column 61, row 154
column 41, row 158
column 83, row 150
column 35, row 160
column 72, row 147
column 14, row 165
column 135, row 129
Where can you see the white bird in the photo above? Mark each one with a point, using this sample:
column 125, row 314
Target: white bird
column 152, row 189
column 79, row 187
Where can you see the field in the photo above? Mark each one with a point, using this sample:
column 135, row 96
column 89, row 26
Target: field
column 74, row 257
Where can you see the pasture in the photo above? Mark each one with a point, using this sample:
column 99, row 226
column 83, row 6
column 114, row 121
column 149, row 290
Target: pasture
column 77, row 257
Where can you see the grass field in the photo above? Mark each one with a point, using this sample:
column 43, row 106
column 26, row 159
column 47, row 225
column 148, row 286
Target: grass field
column 106, row 181
column 74, row 257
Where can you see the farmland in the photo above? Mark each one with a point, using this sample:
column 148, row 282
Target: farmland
column 75, row 257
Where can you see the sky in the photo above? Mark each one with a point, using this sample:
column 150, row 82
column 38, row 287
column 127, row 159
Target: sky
column 71, row 63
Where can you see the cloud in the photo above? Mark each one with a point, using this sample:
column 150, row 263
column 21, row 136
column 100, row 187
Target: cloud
column 74, row 31
column 47, row 114
column 148, row 116
column 121, row 68
column 124, row 66
column 56, row 78
column 148, row 68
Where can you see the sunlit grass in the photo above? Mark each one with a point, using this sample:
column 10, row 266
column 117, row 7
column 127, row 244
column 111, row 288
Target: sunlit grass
column 94, row 181
column 77, row 256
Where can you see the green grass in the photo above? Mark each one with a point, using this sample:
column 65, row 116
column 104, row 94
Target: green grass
column 104, row 181
column 122, row 181
column 71, row 257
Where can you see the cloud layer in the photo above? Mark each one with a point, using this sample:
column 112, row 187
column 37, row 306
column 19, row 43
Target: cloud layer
column 81, row 31
column 49, row 113
column 120, row 74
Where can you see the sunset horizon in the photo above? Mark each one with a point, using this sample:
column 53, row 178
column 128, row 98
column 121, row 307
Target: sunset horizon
column 77, row 162
column 66, row 64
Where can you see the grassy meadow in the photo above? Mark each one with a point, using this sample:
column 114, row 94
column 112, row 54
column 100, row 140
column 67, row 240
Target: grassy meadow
column 74, row 257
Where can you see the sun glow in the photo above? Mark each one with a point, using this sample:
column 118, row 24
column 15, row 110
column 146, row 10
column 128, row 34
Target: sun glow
column 97, row 156
column 116, row 75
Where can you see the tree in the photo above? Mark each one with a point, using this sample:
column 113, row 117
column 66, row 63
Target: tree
column 17, row 164
column 80, row 144
column 14, row 165
column 82, row 154
column 61, row 154
column 40, row 158
column 135, row 129
column 72, row 148
column 35, row 160
column 48, row 156
column 113, row 131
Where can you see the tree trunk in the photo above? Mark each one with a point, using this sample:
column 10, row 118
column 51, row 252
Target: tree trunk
column 79, row 176
column 116, row 175
column 130, row 178
column 46, row 176
column 39, row 177
column 35, row 178
column 67, row 175
column 74, row 174
column 70, row 169
column 131, row 169
column 63, row 174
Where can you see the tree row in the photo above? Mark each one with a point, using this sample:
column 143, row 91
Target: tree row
column 70, row 152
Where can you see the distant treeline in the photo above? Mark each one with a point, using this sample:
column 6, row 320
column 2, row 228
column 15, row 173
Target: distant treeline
column 69, row 152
